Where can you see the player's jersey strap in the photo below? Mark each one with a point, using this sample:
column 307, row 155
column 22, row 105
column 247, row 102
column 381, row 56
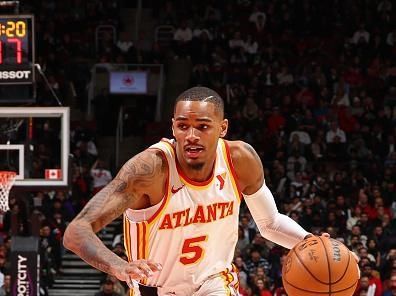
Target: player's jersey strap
column 230, row 166
column 127, row 238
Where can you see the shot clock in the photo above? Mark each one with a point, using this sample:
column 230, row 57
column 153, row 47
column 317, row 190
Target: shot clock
column 16, row 49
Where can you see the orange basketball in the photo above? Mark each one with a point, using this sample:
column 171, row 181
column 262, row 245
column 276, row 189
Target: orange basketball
column 320, row 266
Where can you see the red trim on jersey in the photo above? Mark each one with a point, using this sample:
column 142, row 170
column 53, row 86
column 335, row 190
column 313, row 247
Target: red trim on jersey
column 229, row 160
column 144, row 241
column 192, row 182
column 180, row 170
column 127, row 238
column 138, row 241
column 187, row 179
column 166, row 190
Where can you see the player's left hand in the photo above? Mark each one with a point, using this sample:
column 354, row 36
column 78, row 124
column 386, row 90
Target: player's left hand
column 327, row 235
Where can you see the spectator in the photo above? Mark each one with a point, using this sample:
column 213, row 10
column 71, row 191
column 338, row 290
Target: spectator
column 248, row 231
column 262, row 288
column 361, row 36
column 392, row 287
column 182, row 38
column 100, row 175
column 335, row 134
column 107, row 289
column 256, row 261
column 373, row 249
column 384, row 6
column 365, row 287
column 373, row 280
column 391, row 38
column 237, row 42
column 5, row 289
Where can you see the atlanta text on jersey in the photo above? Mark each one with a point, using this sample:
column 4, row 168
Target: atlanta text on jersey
column 202, row 214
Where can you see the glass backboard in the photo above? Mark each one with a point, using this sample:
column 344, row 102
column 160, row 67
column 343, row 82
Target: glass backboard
column 34, row 142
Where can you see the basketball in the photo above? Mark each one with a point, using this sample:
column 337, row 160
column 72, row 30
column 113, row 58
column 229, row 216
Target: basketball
column 320, row 266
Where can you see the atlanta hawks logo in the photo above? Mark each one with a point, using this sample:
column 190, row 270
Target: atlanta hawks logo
column 221, row 179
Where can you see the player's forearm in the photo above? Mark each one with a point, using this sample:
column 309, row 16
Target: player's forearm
column 272, row 225
column 282, row 230
column 80, row 239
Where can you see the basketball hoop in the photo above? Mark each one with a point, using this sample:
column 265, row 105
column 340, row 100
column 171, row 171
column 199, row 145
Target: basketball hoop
column 7, row 179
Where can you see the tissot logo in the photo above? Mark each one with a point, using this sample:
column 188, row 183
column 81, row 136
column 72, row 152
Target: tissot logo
column 13, row 75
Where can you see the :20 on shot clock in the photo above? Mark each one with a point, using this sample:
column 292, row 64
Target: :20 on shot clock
column 16, row 49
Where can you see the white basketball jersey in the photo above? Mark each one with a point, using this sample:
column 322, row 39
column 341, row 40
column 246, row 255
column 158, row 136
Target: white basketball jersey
column 193, row 231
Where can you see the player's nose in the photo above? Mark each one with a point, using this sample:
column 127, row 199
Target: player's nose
column 192, row 135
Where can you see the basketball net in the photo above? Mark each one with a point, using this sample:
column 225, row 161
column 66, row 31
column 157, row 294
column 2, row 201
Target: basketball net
column 7, row 179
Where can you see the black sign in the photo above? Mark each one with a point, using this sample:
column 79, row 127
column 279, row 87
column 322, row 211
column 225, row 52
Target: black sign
column 25, row 266
column 16, row 49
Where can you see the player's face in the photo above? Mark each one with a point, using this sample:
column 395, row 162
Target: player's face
column 197, row 127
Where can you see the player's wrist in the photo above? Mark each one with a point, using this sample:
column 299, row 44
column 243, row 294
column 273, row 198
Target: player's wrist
column 118, row 270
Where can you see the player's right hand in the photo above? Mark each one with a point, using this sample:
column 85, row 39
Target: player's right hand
column 137, row 270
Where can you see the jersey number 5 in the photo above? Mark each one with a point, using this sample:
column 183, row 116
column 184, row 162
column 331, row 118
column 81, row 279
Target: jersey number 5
column 192, row 250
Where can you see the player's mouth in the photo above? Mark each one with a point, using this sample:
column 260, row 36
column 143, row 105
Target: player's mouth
column 193, row 151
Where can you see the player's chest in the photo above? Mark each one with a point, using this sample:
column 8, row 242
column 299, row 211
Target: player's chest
column 193, row 207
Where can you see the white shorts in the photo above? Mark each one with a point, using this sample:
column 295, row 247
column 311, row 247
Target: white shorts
column 221, row 284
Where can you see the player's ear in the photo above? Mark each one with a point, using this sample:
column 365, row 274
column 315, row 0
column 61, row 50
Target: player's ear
column 224, row 128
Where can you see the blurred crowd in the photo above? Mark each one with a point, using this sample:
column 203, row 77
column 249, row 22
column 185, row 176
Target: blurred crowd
column 310, row 84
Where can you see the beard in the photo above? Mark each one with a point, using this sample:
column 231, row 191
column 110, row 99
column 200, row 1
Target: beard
column 196, row 166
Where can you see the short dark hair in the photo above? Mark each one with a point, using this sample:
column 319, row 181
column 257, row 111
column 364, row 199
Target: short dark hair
column 203, row 94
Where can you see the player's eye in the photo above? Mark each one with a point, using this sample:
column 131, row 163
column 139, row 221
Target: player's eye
column 182, row 126
column 203, row 126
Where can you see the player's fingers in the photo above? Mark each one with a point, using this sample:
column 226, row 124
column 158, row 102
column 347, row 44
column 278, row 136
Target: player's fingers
column 154, row 266
column 143, row 266
column 325, row 234
column 134, row 272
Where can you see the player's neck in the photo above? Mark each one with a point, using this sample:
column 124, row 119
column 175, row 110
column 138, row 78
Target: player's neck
column 197, row 175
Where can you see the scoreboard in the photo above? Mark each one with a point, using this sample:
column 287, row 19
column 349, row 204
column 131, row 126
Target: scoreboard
column 17, row 49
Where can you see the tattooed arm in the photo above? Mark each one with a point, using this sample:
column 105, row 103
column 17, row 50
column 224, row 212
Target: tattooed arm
column 139, row 183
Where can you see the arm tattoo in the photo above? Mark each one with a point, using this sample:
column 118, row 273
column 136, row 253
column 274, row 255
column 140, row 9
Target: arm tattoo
column 135, row 177
column 140, row 171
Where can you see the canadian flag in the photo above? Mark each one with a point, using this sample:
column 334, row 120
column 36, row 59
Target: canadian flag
column 54, row 174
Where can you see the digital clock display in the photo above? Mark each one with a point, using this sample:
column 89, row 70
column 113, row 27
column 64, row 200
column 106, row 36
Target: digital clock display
column 16, row 49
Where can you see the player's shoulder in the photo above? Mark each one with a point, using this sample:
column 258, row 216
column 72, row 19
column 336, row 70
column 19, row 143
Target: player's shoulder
column 247, row 165
column 148, row 163
column 240, row 150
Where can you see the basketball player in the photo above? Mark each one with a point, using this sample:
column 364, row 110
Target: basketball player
column 180, row 201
